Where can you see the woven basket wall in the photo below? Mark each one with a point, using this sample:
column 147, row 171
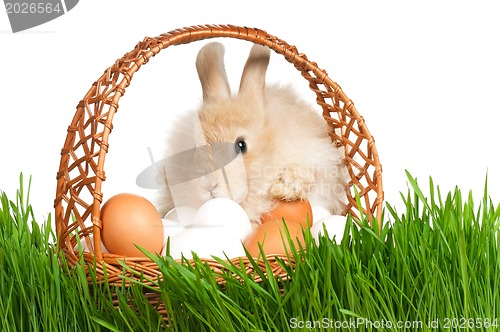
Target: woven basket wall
column 81, row 172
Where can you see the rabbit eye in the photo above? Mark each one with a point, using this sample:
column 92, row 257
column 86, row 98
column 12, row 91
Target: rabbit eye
column 241, row 146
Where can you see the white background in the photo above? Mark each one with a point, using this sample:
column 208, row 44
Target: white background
column 425, row 76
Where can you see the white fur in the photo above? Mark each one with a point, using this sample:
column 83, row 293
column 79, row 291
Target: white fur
column 290, row 154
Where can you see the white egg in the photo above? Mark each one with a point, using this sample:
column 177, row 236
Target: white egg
column 334, row 225
column 205, row 242
column 319, row 212
column 225, row 213
column 184, row 215
column 86, row 248
column 170, row 229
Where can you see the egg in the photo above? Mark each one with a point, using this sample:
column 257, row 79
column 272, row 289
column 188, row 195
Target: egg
column 170, row 229
column 334, row 225
column 205, row 242
column 127, row 220
column 85, row 247
column 225, row 213
column 298, row 211
column 184, row 215
column 270, row 234
column 319, row 212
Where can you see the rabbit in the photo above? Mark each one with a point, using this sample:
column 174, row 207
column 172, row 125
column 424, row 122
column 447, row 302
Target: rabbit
column 281, row 146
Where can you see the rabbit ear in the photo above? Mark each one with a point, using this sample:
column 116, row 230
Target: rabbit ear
column 254, row 73
column 211, row 71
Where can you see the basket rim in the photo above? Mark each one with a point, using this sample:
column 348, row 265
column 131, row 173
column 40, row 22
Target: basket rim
column 120, row 75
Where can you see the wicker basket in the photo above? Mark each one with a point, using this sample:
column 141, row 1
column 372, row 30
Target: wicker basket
column 81, row 171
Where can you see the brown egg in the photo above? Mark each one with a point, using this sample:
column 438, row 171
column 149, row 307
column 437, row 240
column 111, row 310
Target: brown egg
column 270, row 236
column 129, row 219
column 298, row 211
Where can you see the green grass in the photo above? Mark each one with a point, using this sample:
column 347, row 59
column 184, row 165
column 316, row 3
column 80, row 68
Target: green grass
column 434, row 265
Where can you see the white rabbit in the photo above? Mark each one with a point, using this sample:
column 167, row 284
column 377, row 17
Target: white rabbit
column 282, row 143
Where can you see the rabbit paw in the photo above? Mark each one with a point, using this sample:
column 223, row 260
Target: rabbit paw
column 292, row 183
